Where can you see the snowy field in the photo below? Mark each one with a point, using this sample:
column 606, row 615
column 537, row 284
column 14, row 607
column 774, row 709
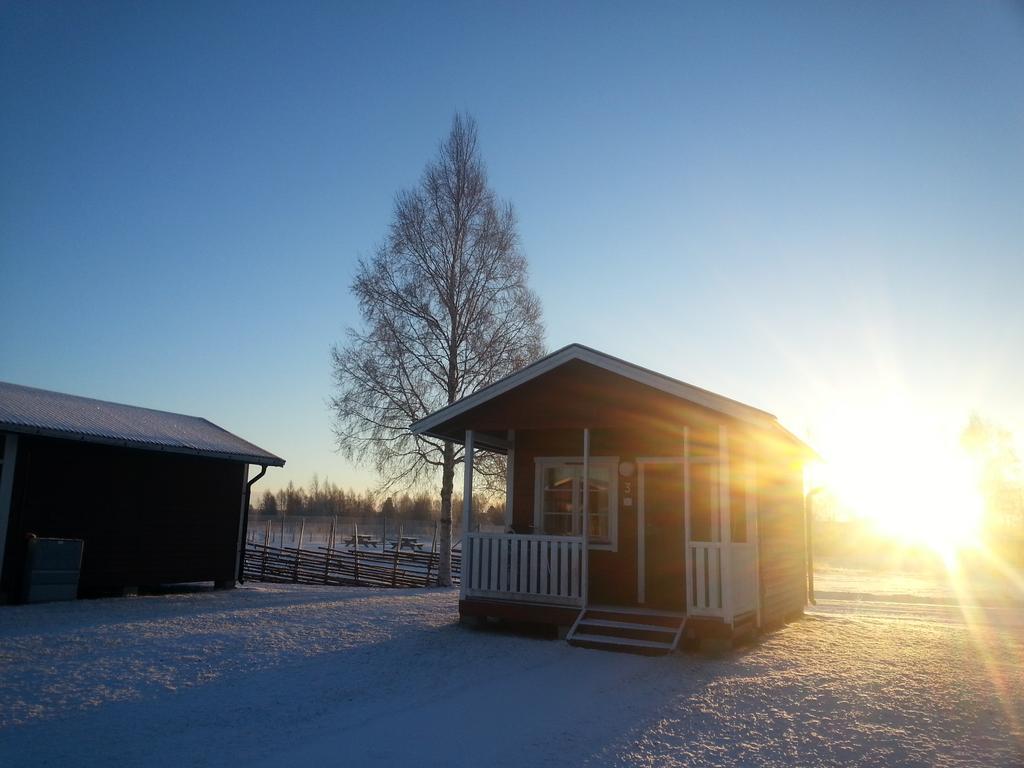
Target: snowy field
column 272, row 675
column 849, row 583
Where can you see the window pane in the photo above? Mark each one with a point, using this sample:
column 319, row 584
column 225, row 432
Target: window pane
column 559, row 500
column 600, row 500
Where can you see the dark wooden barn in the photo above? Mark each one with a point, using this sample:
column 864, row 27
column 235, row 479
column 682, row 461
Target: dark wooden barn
column 694, row 503
column 158, row 498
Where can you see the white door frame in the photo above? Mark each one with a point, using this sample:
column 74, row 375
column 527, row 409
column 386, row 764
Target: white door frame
column 641, row 517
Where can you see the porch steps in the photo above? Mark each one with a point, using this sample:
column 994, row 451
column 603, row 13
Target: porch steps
column 628, row 643
column 623, row 625
column 634, row 630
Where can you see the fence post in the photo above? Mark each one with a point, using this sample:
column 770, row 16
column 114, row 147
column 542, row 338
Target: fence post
column 430, row 560
column 355, row 545
column 330, row 548
column 398, row 547
column 298, row 547
column 266, row 548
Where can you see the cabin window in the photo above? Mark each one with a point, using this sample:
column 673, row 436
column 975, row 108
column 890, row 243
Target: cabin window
column 559, row 498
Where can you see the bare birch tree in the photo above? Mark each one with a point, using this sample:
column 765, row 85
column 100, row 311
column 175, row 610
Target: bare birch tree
column 446, row 310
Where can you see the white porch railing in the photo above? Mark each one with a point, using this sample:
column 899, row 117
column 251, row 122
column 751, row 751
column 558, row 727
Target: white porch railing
column 704, row 579
column 744, row 579
column 540, row 569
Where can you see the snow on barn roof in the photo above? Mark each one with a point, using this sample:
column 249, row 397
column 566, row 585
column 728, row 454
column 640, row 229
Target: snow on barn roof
column 28, row 410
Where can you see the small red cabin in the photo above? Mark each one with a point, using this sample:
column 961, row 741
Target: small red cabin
column 694, row 506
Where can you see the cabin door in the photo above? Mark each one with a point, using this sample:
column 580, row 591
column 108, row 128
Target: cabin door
column 661, row 536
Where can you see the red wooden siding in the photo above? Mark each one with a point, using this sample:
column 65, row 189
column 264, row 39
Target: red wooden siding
column 781, row 530
column 613, row 574
column 579, row 395
column 779, row 477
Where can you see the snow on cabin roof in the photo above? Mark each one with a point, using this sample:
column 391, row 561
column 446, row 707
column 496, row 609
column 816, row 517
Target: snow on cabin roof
column 39, row 411
column 616, row 365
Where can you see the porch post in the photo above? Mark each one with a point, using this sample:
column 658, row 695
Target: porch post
column 754, row 530
column 467, row 511
column 691, row 588
column 510, row 470
column 585, row 561
column 725, row 536
column 467, row 483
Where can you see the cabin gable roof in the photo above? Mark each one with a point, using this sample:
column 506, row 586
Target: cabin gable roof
column 571, row 356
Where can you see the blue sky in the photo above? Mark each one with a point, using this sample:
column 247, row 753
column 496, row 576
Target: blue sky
column 815, row 208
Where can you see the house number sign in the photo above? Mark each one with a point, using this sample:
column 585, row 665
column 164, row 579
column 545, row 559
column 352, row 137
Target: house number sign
column 626, row 471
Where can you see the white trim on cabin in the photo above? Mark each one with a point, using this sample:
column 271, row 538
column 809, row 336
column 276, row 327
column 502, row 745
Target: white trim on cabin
column 510, row 478
column 686, row 515
column 613, row 522
column 467, row 507
column 628, row 370
column 754, row 533
column 641, row 535
column 540, row 463
column 725, row 522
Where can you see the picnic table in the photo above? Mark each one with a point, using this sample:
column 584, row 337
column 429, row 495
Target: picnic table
column 365, row 540
column 407, row 542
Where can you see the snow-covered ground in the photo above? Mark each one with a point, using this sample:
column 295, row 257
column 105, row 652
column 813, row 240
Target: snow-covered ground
column 974, row 587
column 271, row 675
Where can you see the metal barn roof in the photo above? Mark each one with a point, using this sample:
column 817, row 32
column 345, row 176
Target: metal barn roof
column 28, row 410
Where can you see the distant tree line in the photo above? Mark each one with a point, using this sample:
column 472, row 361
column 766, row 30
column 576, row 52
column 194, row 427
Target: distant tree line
column 1000, row 473
column 326, row 499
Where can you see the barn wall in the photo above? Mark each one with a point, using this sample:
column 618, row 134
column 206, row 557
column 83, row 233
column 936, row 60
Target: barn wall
column 146, row 517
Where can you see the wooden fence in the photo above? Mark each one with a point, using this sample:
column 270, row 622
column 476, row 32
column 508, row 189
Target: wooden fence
column 345, row 566
column 311, row 532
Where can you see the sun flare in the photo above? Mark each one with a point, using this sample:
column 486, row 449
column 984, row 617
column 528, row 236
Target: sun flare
column 907, row 475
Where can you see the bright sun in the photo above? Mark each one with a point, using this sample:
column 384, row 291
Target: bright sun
column 906, row 473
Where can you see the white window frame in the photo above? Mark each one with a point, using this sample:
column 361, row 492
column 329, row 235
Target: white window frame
column 542, row 463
